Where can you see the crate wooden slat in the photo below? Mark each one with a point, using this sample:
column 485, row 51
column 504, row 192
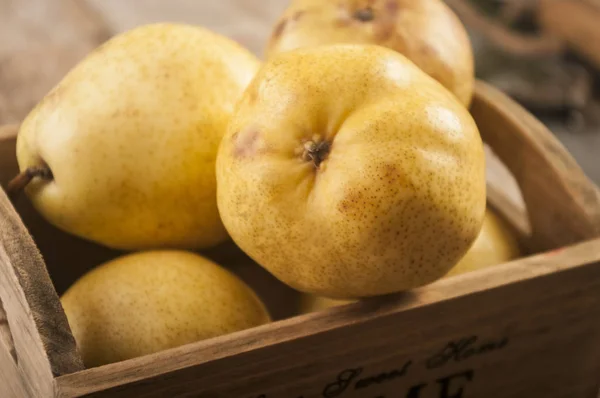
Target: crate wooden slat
column 43, row 344
column 9, row 373
column 534, row 320
column 563, row 204
column 524, row 302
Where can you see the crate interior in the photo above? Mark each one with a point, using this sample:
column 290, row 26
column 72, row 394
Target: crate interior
column 68, row 257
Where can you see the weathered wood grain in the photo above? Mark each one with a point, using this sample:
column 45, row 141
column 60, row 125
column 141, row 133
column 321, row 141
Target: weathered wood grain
column 525, row 300
column 36, row 341
column 43, row 342
column 562, row 203
column 541, row 304
column 540, row 313
column 12, row 383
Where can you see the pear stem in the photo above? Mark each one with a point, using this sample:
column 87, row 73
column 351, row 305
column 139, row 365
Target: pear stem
column 316, row 152
column 18, row 184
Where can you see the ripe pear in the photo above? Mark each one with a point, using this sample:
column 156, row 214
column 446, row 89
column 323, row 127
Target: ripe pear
column 146, row 302
column 495, row 244
column 425, row 31
column 312, row 303
column 347, row 171
column 122, row 150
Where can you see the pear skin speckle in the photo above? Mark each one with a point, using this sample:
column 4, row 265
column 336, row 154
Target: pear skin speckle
column 146, row 302
column 425, row 31
column 397, row 195
column 131, row 135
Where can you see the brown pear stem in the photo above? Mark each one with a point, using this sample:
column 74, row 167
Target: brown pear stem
column 18, row 184
column 316, row 152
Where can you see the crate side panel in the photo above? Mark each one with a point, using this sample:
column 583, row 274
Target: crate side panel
column 537, row 336
column 43, row 344
column 563, row 204
column 12, row 385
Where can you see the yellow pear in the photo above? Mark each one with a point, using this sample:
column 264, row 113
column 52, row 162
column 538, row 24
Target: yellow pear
column 346, row 171
column 150, row 301
column 425, row 31
column 122, row 150
column 495, row 244
column 312, row 303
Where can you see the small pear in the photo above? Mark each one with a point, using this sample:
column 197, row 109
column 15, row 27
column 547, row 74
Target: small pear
column 122, row 151
column 426, row 31
column 146, row 302
column 495, row 244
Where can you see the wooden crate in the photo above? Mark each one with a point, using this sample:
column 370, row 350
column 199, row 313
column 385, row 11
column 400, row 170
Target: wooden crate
column 528, row 328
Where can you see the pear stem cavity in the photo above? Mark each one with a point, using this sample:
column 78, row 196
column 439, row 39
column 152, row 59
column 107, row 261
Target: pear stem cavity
column 316, row 151
column 18, row 184
column 364, row 14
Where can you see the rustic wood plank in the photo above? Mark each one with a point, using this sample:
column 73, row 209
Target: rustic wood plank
column 562, row 203
column 504, row 196
column 537, row 318
column 12, row 384
column 41, row 41
column 273, row 345
column 514, row 215
column 42, row 339
column 498, row 172
column 6, row 335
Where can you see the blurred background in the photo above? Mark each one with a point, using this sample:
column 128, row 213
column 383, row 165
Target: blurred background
column 543, row 53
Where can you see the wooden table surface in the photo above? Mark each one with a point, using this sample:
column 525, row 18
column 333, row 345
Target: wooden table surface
column 41, row 40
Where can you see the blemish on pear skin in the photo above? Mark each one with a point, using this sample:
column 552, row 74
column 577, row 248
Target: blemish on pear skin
column 391, row 7
column 297, row 16
column 353, row 200
column 279, row 28
column 245, row 143
column 284, row 23
column 386, row 24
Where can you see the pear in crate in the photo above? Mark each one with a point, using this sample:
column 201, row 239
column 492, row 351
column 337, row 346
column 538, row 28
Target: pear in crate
column 146, row 302
column 347, row 172
column 122, row 150
column 313, row 303
column 425, row 31
column 495, row 244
